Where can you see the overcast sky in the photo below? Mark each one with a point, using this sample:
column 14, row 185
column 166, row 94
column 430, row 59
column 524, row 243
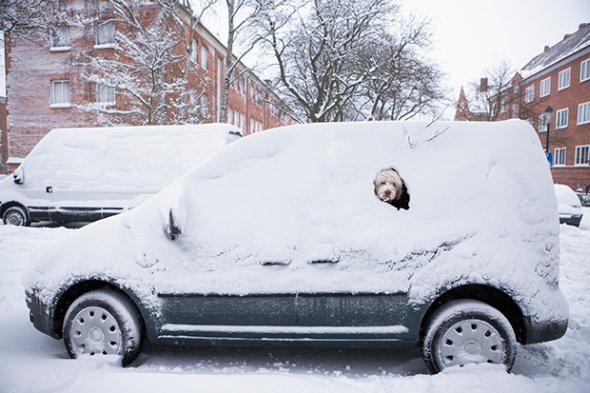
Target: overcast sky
column 472, row 35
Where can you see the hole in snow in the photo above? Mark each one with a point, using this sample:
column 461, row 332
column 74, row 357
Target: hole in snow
column 459, row 329
column 104, row 317
column 104, row 352
column 450, row 358
column 113, row 343
column 473, row 326
column 112, row 328
column 82, row 320
column 488, row 333
column 78, row 333
column 494, row 348
column 449, row 342
column 91, row 313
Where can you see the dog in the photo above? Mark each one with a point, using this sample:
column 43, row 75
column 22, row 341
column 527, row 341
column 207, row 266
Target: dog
column 391, row 188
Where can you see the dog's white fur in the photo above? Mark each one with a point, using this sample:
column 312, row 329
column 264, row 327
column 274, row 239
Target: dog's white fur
column 388, row 185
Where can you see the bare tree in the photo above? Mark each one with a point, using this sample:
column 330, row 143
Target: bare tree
column 490, row 98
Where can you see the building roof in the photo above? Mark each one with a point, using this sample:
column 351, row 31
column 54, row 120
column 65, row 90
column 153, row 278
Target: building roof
column 570, row 44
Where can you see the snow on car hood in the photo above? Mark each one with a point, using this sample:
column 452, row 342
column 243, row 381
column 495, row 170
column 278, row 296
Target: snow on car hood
column 293, row 210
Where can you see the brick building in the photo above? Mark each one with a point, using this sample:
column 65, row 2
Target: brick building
column 48, row 88
column 558, row 77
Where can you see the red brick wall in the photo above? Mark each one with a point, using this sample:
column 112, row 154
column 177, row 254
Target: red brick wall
column 573, row 135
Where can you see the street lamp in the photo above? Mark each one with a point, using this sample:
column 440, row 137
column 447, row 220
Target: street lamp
column 548, row 113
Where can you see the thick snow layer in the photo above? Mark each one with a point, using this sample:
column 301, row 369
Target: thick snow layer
column 30, row 362
column 481, row 211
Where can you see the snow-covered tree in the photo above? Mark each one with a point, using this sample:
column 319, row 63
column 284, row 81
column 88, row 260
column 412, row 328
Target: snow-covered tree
column 341, row 59
column 25, row 17
column 147, row 71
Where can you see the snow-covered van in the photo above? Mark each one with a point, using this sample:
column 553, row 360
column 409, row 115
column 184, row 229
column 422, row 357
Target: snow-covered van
column 380, row 234
column 85, row 174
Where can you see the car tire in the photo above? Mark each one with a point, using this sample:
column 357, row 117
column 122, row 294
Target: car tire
column 468, row 331
column 103, row 322
column 16, row 215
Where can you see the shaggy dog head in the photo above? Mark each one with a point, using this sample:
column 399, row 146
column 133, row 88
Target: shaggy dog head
column 391, row 188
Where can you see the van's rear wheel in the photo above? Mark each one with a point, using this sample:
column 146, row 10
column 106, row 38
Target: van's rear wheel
column 468, row 331
column 15, row 215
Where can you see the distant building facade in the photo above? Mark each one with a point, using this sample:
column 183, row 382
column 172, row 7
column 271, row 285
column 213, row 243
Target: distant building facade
column 46, row 88
column 558, row 78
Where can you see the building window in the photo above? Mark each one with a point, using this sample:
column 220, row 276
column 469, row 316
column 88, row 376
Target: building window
column 585, row 70
column 105, row 94
column 584, row 113
column 203, row 57
column 545, row 87
column 60, row 38
column 561, row 118
column 559, row 156
column 60, row 94
column 582, row 155
column 105, row 34
column 503, row 106
column 529, row 94
column 542, row 124
column 515, row 110
column 194, row 51
column 563, row 79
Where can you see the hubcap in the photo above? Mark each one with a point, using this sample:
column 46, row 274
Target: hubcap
column 94, row 331
column 14, row 218
column 471, row 341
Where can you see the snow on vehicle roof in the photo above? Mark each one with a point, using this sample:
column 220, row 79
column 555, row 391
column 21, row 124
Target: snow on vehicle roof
column 566, row 195
column 124, row 158
column 302, row 197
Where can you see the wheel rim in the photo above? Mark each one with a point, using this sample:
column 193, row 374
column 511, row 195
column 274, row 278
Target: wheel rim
column 95, row 331
column 15, row 218
column 471, row 341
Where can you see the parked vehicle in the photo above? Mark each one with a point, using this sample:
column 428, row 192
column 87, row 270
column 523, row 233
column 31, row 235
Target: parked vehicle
column 584, row 199
column 325, row 234
column 568, row 205
column 85, row 174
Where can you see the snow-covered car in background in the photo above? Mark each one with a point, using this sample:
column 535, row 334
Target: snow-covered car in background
column 568, row 205
column 85, row 174
column 306, row 235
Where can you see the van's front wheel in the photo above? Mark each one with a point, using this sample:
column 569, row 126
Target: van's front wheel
column 16, row 215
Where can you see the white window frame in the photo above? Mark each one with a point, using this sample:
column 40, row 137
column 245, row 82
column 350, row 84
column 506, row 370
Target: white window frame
column 545, row 87
column 564, row 78
column 584, row 70
column 529, row 94
column 194, row 51
column 580, row 158
column 61, row 98
column 59, row 39
column 108, row 42
column 561, row 118
column 106, row 95
column 584, row 113
column 559, row 156
column 204, row 57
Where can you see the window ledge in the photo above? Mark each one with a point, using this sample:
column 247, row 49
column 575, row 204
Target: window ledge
column 60, row 105
column 106, row 104
column 105, row 46
column 60, row 49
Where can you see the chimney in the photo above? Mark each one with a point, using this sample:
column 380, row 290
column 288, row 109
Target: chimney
column 546, row 48
column 483, row 85
column 565, row 37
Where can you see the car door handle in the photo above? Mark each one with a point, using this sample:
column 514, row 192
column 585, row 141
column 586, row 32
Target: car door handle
column 276, row 263
column 49, row 189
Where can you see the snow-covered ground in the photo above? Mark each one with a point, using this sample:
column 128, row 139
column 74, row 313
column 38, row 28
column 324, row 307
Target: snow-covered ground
column 33, row 362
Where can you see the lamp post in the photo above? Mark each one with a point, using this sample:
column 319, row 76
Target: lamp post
column 548, row 113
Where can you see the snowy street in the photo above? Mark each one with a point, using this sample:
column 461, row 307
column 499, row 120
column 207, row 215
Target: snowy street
column 33, row 362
